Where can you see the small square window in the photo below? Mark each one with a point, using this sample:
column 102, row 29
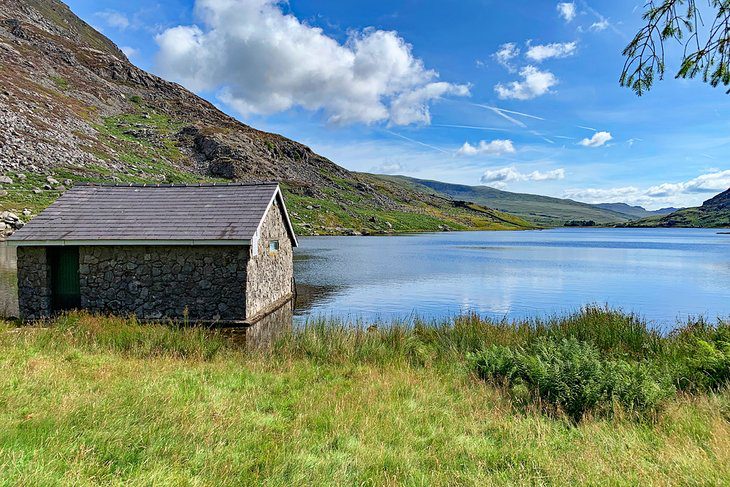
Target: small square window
column 273, row 245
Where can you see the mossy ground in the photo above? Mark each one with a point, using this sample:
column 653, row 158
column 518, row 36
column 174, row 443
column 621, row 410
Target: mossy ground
column 88, row 401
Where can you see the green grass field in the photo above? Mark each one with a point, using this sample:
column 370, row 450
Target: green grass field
column 87, row 400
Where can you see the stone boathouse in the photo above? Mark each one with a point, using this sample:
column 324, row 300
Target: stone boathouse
column 207, row 252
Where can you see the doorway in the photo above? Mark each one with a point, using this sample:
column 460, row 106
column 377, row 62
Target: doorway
column 65, row 288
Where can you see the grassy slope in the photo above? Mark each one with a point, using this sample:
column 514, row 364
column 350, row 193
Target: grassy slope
column 714, row 213
column 103, row 401
column 688, row 218
column 347, row 209
column 156, row 158
column 542, row 210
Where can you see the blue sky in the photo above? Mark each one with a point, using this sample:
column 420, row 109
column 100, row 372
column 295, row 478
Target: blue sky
column 521, row 96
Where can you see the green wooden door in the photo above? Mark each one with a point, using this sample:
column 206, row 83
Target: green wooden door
column 65, row 278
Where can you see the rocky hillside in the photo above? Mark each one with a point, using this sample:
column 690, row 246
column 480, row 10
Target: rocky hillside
column 73, row 108
column 714, row 213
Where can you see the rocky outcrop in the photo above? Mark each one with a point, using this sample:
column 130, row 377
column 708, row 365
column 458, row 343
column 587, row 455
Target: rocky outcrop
column 9, row 223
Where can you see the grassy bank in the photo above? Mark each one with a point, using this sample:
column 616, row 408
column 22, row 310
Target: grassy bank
column 87, row 400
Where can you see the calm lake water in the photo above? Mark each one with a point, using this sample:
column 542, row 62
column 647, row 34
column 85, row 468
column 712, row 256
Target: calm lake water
column 662, row 274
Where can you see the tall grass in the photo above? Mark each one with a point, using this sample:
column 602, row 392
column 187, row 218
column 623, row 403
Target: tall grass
column 610, row 331
column 89, row 400
column 124, row 335
column 693, row 357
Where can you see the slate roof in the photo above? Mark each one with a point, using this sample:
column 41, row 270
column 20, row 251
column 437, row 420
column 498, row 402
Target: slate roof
column 203, row 214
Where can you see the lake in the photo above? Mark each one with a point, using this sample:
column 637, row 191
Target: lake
column 662, row 274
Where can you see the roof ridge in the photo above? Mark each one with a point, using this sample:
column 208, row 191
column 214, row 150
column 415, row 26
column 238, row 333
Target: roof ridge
column 172, row 185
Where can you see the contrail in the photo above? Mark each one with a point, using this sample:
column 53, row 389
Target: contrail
column 538, row 134
column 469, row 127
column 418, row 142
column 505, row 116
column 587, row 128
column 522, row 114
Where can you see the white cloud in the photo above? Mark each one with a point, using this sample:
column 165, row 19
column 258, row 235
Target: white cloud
column 600, row 25
column 566, row 10
column 495, row 147
column 542, row 52
column 598, row 139
column 389, row 168
column 534, row 83
column 412, row 106
column 610, row 195
column 506, row 53
column 510, row 174
column 260, row 60
column 129, row 51
column 687, row 193
column 115, row 19
column 706, row 183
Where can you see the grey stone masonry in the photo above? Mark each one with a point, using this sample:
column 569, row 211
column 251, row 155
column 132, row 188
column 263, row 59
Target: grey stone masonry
column 153, row 282
column 270, row 273
column 34, row 283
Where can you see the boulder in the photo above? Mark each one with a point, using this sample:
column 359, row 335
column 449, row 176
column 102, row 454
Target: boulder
column 9, row 217
column 5, row 180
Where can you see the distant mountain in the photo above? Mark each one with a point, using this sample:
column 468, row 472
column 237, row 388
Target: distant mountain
column 634, row 211
column 714, row 213
column 541, row 210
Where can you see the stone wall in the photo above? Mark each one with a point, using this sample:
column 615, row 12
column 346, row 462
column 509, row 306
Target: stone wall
column 156, row 282
column 34, row 283
column 269, row 274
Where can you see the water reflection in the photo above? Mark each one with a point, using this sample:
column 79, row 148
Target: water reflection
column 662, row 274
column 265, row 332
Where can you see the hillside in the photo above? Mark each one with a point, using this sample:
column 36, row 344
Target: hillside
column 714, row 213
column 541, row 210
column 74, row 109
